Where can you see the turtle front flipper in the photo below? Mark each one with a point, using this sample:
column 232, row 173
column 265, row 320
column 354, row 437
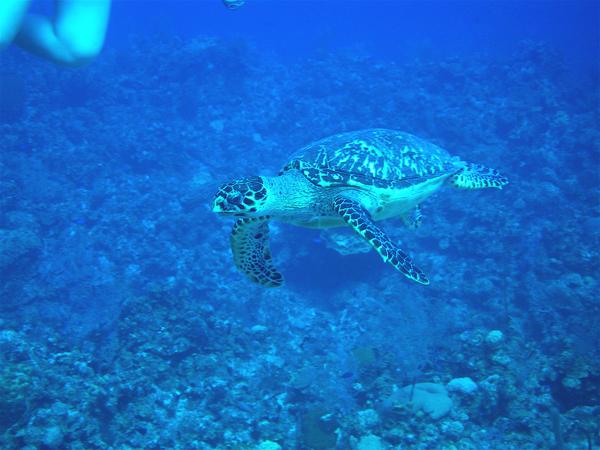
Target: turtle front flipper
column 251, row 251
column 360, row 220
column 474, row 176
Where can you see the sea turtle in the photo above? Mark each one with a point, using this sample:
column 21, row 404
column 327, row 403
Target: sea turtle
column 351, row 179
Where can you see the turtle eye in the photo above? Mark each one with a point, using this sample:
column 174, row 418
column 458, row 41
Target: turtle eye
column 235, row 199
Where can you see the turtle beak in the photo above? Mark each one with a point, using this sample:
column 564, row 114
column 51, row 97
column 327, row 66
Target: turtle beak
column 218, row 205
column 228, row 205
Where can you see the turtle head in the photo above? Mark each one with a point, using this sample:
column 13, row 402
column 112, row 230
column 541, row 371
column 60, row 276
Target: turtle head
column 244, row 197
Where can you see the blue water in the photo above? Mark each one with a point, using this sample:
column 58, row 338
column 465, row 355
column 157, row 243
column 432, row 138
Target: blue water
column 124, row 323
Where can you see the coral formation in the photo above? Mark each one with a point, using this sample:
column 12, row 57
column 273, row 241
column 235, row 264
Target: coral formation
column 430, row 398
column 123, row 323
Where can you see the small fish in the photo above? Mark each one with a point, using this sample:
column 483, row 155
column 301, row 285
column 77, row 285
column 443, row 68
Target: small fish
column 347, row 375
column 233, row 4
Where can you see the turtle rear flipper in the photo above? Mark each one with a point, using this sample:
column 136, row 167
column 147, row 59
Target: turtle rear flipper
column 474, row 176
column 251, row 251
column 360, row 220
column 413, row 219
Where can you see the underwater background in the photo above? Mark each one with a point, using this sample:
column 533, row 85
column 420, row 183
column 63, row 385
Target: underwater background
column 123, row 321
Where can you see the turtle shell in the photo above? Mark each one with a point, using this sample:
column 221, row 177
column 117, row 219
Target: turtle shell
column 374, row 157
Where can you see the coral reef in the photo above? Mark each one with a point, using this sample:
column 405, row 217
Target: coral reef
column 123, row 323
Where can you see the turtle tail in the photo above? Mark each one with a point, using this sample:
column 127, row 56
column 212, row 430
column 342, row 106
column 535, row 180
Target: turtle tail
column 474, row 176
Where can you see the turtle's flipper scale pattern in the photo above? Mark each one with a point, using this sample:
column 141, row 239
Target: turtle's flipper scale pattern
column 251, row 251
column 474, row 176
column 360, row 220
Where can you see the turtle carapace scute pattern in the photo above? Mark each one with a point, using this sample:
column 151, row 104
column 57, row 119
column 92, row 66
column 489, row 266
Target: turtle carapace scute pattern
column 352, row 179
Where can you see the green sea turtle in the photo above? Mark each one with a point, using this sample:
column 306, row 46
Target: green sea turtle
column 350, row 179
